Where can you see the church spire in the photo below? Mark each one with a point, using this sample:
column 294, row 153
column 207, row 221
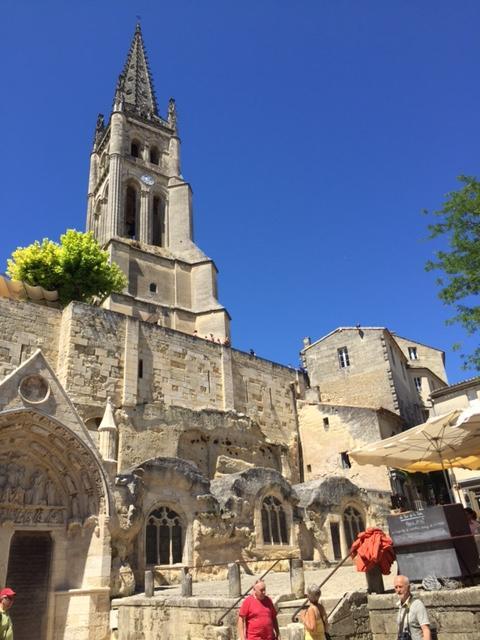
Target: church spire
column 134, row 91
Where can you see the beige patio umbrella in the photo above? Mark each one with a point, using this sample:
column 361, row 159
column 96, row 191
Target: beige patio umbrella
column 449, row 440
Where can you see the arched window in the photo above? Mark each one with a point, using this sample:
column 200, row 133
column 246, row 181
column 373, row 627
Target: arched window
column 274, row 522
column 158, row 215
column 92, row 424
column 135, row 149
column 163, row 543
column 353, row 524
column 131, row 212
column 154, row 155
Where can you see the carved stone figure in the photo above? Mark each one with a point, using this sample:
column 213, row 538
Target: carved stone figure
column 38, row 489
column 51, row 490
column 172, row 113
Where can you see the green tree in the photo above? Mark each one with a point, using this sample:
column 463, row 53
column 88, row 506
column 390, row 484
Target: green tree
column 76, row 267
column 458, row 223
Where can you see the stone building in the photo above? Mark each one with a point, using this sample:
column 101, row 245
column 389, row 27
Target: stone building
column 462, row 395
column 135, row 437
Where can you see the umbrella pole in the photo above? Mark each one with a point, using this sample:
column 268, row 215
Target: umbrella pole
column 447, row 481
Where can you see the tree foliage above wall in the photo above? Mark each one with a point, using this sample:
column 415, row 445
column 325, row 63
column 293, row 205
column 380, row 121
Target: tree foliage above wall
column 459, row 226
column 76, row 267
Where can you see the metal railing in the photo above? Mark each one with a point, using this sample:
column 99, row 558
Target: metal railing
column 336, row 568
column 222, row 618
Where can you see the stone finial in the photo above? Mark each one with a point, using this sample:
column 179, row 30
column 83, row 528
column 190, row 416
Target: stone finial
column 99, row 128
column 172, row 114
column 108, row 421
column 108, row 433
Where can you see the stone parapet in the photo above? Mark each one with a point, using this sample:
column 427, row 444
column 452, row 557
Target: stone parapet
column 454, row 614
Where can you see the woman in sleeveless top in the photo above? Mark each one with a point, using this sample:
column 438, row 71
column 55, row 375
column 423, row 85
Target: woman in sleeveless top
column 315, row 617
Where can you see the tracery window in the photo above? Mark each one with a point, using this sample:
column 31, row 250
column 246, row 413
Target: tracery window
column 163, row 543
column 353, row 524
column 274, row 522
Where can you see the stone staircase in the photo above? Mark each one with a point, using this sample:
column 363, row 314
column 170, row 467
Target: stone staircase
column 286, row 609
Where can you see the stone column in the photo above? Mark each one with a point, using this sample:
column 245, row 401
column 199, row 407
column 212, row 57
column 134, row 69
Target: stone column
column 234, row 581
column 297, row 577
column 295, row 631
column 144, row 224
column 6, row 534
column 114, row 226
column 186, row 583
column 149, row 585
column 114, row 198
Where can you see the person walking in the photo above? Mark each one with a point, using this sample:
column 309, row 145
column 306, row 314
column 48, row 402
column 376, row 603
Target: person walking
column 412, row 618
column 6, row 600
column 257, row 618
column 314, row 618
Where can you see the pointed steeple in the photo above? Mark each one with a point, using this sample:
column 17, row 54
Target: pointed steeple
column 134, row 91
column 108, row 433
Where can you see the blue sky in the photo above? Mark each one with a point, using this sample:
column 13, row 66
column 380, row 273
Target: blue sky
column 313, row 134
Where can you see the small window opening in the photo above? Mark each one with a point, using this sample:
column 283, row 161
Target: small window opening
column 418, row 384
column 343, row 358
column 154, row 155
column 140, row 368
column 335, row 533
column 135, row 150
column 345, row 460
column 309, row 468
column 153, row 287
column 326, row 424
column 158, row 212
column 412, row 353
column 130, row 212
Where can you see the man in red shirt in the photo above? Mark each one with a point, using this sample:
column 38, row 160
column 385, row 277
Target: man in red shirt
column 257, row 618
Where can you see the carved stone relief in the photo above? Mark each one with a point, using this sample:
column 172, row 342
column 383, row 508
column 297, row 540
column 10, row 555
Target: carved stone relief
column 39, row 481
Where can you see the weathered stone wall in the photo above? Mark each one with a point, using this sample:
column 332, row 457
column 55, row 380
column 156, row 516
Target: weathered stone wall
column 262, row 390
column 454, row 614
column 458, row 397
column 25, row 327
column 328, row 430
column 364, row 382
column 171, row 618
column 427, row 357
column 406, row 399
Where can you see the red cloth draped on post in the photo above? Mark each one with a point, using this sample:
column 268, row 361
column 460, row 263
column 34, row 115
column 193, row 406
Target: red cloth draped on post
column 373, row 547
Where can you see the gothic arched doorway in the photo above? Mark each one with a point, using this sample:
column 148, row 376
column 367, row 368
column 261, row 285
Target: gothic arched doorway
column 53, row 525
column 29, row 569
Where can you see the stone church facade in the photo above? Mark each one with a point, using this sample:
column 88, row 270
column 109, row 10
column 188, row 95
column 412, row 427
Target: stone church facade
column 134, row 437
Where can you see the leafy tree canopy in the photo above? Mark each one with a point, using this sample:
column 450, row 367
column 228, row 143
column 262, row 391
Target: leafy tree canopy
column 76, row 267
column 458, row 223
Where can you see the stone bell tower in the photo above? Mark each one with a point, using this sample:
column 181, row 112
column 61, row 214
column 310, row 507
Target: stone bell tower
column 140, row 210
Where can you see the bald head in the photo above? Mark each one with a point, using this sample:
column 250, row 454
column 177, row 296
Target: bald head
column 259, row 589
column 401, row 584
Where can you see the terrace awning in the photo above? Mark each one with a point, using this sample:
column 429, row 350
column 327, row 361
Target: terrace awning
column 450, row 440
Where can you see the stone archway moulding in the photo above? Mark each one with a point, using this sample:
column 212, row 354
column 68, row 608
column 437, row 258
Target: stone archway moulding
column 48, row 476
